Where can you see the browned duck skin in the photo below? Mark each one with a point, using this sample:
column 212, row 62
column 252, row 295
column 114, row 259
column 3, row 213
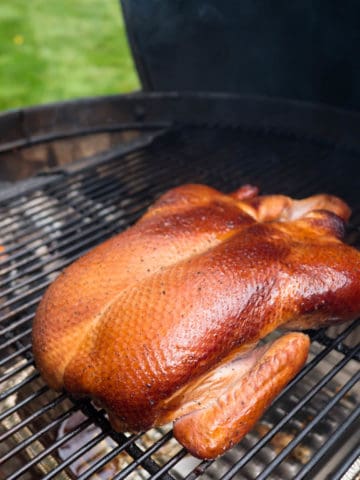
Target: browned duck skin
column 146, row 320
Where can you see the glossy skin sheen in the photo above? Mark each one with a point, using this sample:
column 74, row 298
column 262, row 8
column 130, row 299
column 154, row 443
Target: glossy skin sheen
column 159, row 323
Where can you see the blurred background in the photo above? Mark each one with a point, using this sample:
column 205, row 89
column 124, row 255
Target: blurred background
column 55, row 50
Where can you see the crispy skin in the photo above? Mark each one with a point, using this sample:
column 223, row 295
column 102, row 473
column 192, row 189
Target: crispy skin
column 146, row 318
column 215, row 426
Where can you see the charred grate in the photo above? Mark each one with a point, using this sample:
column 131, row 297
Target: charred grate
column 44, row 434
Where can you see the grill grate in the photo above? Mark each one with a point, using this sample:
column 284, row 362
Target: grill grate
column 44, row 434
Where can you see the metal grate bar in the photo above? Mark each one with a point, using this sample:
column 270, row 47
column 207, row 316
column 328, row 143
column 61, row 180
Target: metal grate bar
column 106, row 459
column 304, row 400
column 39, row 287
column 15, row 325
column 26, row 400
column 32, row 417
column 13, row 301
column 16, row 370
column 346, row 464
column 340, row 346
column 168, row 465
column 97, row 192
column 89, row 186
column 144, row 456
column 199, row 470
column 145, row 170
column 39, row 201
column 86, row 447
column 203, row 466
column 12, row 314
column 21, row 351
column 16, row 338
column 314, row 422
column 15, row 354
column 38, row 434
column 68, row 228
column 333, row 440
column 133, row 450
column 84, row 233
column 78, row 236
column 18, row 386
column 43, row 263
column 100, row 159
column 70, row 216
column 50, row 449
column 13, row 372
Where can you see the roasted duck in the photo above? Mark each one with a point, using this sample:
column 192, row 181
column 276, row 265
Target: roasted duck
column 161, row 322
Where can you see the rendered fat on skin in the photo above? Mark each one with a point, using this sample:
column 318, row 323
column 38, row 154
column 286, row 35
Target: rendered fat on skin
column 161, row 322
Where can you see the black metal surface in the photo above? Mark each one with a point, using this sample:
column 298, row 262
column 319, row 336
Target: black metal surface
column 299, row 49
column 24, row 127
column 47, row 227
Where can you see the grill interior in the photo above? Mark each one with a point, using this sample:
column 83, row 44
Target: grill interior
column 308, row 432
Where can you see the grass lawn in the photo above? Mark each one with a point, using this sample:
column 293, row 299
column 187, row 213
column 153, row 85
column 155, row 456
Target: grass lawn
column 53, row 50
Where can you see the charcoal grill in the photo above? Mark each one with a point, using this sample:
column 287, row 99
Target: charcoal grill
column 73, row 174
column 145, row 144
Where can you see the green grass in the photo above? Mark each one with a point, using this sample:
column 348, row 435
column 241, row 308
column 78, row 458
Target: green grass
column 52, row 50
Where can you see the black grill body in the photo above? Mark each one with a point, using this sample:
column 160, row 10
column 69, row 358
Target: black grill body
column 137, row 147
column 300, row 50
